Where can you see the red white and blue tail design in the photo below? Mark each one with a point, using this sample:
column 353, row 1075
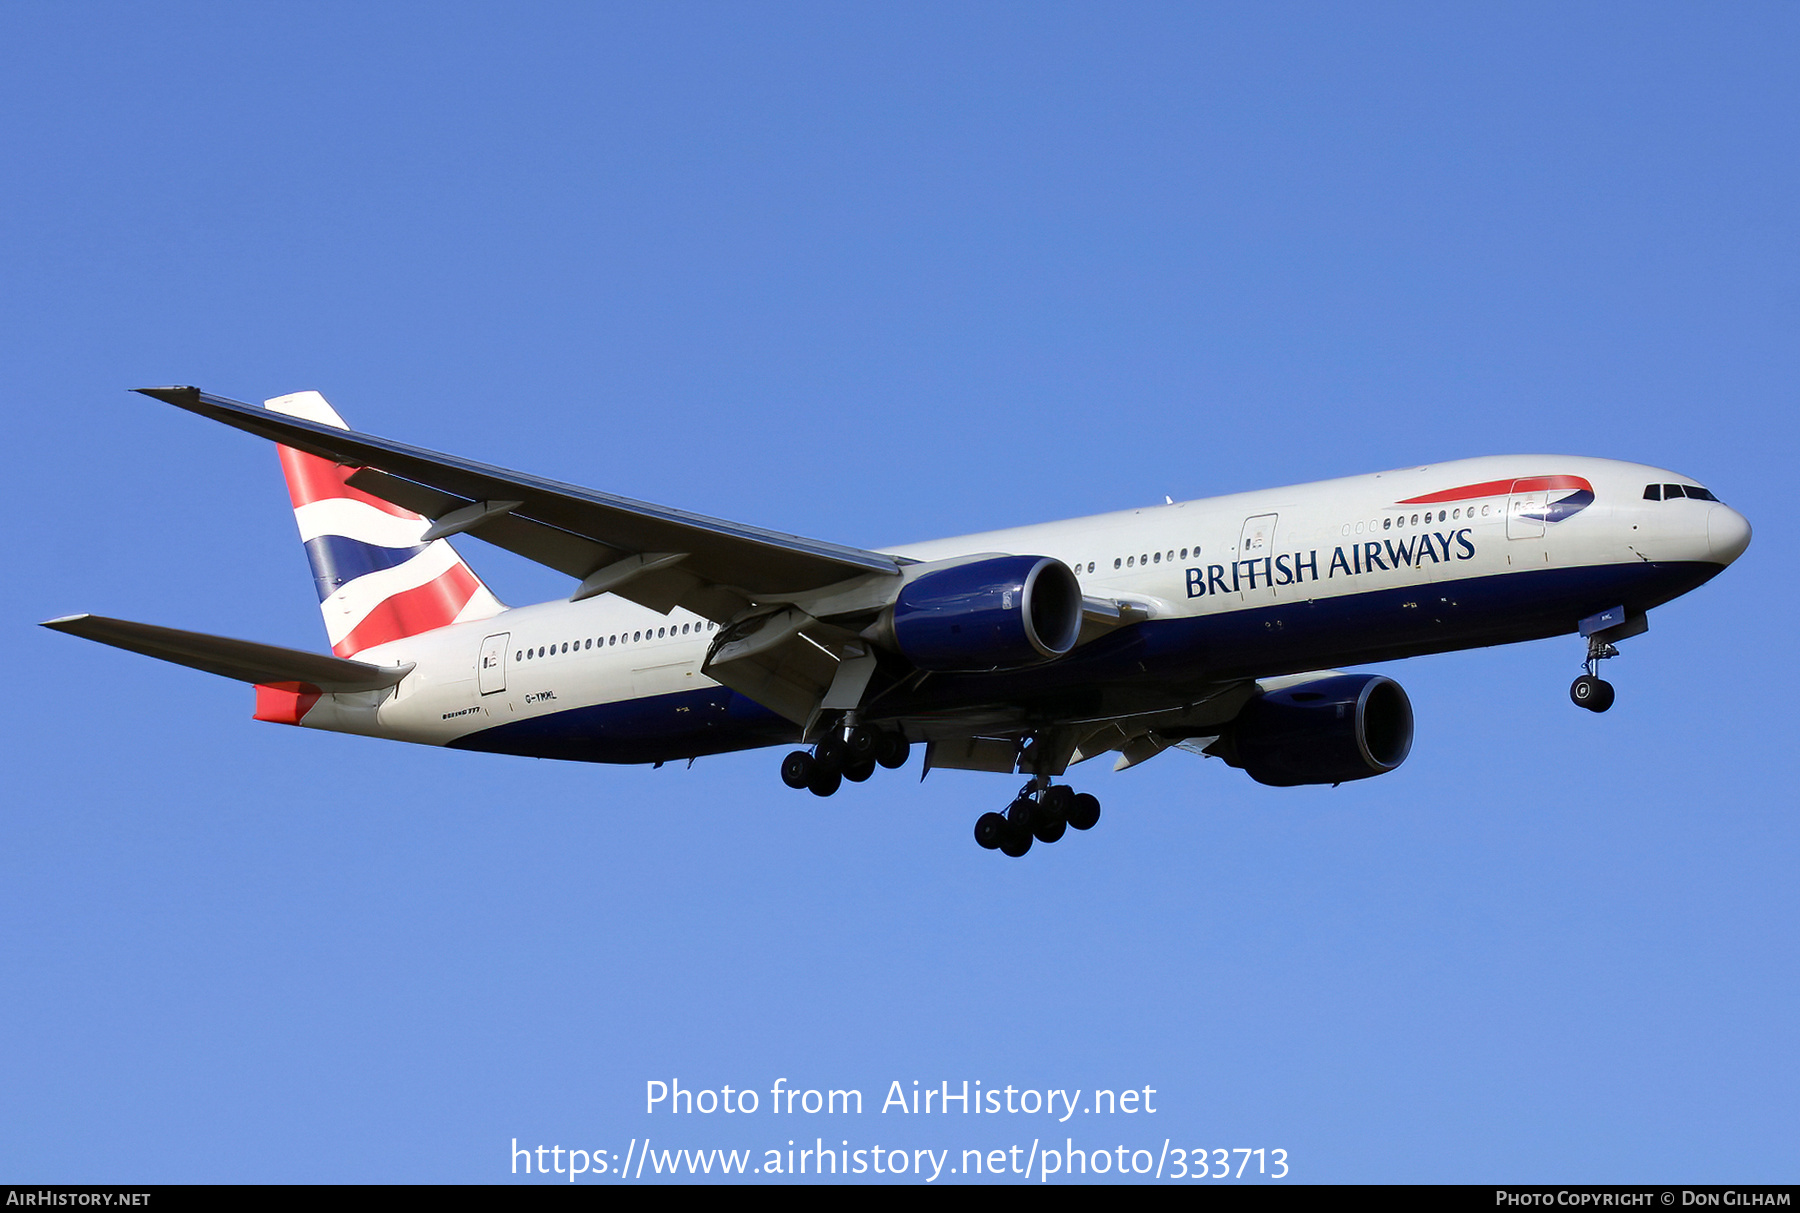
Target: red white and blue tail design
column 378, row 580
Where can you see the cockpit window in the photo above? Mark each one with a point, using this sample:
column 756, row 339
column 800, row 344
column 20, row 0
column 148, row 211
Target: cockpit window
column 1670, row 492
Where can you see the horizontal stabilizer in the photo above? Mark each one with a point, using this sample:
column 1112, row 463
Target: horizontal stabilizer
column 243, row 660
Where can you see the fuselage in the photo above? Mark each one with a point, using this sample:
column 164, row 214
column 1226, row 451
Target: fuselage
column 1396, row 564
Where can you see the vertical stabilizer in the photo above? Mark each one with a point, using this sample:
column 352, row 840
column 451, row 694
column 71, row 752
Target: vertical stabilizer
column 378, row 580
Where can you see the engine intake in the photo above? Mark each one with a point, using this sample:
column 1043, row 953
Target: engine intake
column 1329, row 730
column 1000, row 613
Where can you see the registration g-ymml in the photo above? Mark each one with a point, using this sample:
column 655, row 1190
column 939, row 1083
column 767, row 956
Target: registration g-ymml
column 1212, row 625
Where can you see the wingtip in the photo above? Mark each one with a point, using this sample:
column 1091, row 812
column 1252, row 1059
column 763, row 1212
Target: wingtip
column 170, row 395
column 63, row 622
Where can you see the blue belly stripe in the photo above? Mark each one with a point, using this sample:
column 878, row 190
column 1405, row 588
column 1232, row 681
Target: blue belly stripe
column 660, row 728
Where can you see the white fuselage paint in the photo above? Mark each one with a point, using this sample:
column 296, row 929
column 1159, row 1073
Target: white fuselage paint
column 440, row 700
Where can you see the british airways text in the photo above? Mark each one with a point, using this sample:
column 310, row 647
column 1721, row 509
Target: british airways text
column 1292, row 568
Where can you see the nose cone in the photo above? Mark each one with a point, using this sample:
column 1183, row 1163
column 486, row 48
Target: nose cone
column 1727, row 534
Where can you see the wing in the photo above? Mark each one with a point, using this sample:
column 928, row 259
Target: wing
column 652, row 554
column 793, row 611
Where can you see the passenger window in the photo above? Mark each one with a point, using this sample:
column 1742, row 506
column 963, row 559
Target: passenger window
column 1131, row 562
column 635, row 636
column 1115, row 562
column 518, row 655
column 1387, row 524
column 1159, row 558
column 1090, row 566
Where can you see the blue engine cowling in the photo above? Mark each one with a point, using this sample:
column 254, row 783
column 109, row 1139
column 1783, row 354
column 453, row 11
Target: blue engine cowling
column 1329, row 730
column 995, row 614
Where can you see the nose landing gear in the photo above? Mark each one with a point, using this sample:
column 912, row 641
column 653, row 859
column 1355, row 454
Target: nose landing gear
column 1591, row 691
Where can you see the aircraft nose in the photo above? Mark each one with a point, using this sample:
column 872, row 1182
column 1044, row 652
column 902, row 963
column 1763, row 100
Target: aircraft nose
column 1727, row 533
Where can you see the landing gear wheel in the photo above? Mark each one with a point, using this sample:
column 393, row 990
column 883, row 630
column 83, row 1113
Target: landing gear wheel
column 797, row 769
column 990, row 830
column 1594, row 694
column 832, row 754
column 1015, row 842
column 824, row 781
column 1056, row 802
column 856, row 772
column 893, row 751
column 1084, row 811
column 1047, row 829
column 862, row 745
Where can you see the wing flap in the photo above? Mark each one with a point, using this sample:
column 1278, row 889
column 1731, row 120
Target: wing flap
column 243, row 660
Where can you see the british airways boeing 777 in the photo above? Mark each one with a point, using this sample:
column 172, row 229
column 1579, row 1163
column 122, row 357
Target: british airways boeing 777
column 1212, row 625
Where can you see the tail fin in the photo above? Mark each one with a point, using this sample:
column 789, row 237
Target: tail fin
column 377, row 578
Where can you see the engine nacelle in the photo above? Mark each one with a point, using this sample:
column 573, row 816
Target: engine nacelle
column 995, row 614
column 1329, row 730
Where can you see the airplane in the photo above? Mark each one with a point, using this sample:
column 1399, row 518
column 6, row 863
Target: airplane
column 1214, row 626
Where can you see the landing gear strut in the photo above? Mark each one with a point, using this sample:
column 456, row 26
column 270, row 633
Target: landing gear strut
column 1039, row 812
column 1591, row 691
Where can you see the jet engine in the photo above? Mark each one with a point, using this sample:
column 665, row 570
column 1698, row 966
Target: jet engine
column 998, row 613
column 1328, row 730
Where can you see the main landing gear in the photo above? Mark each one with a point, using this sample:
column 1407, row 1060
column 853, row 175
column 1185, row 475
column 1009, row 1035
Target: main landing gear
column 1040, row 812
column 851, row 754
column 1591, row 691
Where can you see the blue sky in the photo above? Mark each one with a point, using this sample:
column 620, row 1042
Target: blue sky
column 872, row 274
